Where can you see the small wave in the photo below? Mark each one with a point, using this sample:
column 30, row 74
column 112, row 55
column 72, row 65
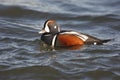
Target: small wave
column 20, row 12
column 106, row 18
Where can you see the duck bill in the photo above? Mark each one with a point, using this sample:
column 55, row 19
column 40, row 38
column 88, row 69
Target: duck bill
column 42, row 31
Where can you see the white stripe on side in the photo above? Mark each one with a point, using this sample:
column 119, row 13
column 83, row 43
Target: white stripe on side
column 79, row 35
column 53, row 41
column 83, row 37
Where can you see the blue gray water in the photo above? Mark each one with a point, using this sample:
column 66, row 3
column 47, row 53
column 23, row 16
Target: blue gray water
column 23, row 58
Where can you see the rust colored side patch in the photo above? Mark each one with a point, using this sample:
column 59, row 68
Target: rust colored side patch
column 70, row 40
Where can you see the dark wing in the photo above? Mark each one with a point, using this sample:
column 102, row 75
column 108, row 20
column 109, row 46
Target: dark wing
column 95, row 41
column 86, row 38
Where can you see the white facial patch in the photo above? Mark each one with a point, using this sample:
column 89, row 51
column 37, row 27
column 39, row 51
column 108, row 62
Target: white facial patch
column 58, row 28
column 47, row 28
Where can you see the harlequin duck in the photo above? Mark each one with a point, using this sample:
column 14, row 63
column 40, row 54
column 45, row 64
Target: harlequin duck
column 52, row 35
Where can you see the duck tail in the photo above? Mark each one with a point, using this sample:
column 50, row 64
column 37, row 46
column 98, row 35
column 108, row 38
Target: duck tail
column 105, row 41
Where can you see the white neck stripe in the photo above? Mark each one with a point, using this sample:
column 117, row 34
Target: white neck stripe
column 53, row 41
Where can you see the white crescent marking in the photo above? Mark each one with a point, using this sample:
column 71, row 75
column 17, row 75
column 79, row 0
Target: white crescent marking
column 79, row 35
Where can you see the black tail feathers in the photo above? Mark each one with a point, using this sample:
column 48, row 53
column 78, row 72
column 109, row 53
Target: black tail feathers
column 101, row 42
column 105, row 41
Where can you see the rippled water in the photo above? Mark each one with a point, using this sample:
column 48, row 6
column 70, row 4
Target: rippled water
column 23, row 58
